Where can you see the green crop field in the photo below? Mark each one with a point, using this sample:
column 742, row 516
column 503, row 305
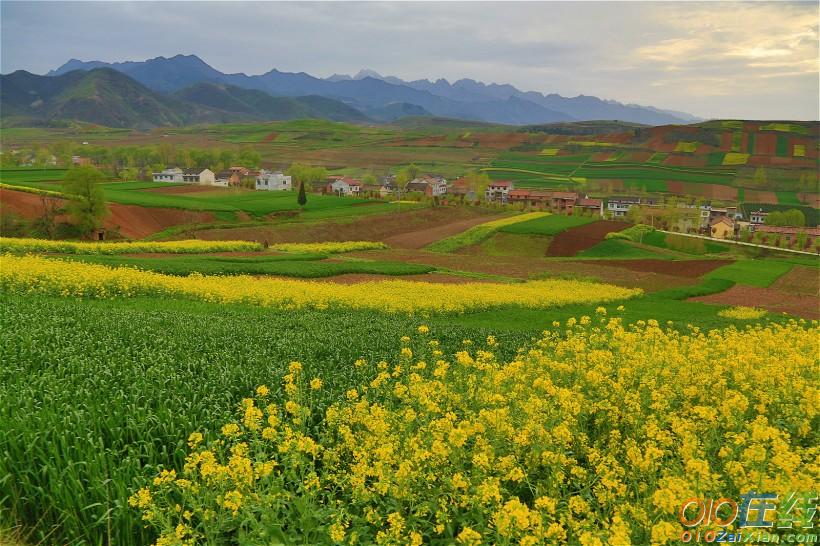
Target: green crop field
column 618, row 248
column 760, row 273
column 548, row 225
column 293, row 265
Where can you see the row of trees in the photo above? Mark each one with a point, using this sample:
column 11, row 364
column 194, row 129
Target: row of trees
column 124, row 161
column 791, row 218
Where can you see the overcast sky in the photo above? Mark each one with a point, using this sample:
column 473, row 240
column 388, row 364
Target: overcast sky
column 726, row 59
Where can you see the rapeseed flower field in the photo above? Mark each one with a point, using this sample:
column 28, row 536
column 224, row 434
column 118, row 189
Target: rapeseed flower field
column 35, row 274
column 329, row 247
column 594, row 434
column 195, row 246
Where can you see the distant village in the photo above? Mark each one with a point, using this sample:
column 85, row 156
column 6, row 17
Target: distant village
column 721, row 222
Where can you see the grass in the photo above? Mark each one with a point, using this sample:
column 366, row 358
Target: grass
column 680, row 243
column 479, row 233
column 293, row 265
column 513, row 244
column 618, row 248
column 547, row 225
column 759, row 273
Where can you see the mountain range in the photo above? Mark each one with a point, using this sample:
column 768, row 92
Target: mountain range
column 184, row 89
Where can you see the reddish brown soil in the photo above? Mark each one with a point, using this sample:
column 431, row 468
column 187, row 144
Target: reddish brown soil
column 132, row 221
column 771, row 299
column 800, row 280
column 765, row 144
column 600, row 156
column 640, row 157
column 422, row 238
column 757, row 196
column 678, row 268
column 573, row 241
column 712, row 191
column 811, row 199
column 270, row 137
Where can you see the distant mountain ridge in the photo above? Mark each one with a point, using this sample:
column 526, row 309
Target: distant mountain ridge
column 369, row 91
column 107, row 97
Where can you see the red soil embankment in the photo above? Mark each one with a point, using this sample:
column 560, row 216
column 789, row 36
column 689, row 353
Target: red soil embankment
column 677, row 268
column 132, row 221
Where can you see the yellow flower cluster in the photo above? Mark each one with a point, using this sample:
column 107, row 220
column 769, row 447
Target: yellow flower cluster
column 34, row 274
column 593, row 435
column 329, row 247
column 192, row 246
column 29, row 189
column 742, row 313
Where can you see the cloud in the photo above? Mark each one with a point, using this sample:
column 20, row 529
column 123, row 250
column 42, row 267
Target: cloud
column 725, row 59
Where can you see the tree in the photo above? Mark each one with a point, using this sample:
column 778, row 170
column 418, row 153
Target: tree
column 51, row 207
column 86, row 199
column 302, row 199
column 249, row 157
column 412, row 171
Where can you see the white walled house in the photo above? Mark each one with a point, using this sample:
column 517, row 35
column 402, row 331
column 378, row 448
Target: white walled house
column 198, row 176
column 168, row 175
column 273, row 181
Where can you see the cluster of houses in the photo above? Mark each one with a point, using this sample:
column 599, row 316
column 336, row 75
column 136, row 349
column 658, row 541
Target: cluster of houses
column 263, row 180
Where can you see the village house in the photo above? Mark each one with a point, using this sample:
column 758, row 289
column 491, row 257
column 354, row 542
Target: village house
column 431, row 186
column 617, row 207
column 499, row 191
column 344, row 186
column 790, row 235
column 593, row 206
column 757, row 218
column 557, row 201
column 273, row 181
column 462, row 189
column 722, row 227
column 204, row 177
column 227, row 178
column 173, row 174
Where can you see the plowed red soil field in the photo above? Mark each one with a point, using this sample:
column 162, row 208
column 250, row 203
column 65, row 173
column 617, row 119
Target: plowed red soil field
column 573, row 241
column 775, row 301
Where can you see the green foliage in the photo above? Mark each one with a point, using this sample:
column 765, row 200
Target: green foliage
column 302, row 197
column 86, row 198
column 547, row 225
column 760, row 273
column 791, row 217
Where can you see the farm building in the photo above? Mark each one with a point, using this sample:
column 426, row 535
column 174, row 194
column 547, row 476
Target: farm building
column 757, row 218
column 198, row 176
column 498, row 190
column 273, row 181
column 344, row 186
column 460, row 187
column 431, row 186
column 722, row 227
column 173, row 174
column 617, row 207
column 227, row 178
column 557, row 201
column 595, row 206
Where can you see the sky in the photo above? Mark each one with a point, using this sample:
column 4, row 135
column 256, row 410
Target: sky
column 712, row 59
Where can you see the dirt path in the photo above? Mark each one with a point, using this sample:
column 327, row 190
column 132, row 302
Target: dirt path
column 132, row 221
column 677, row 268
column 436, row 278
column 574, row 240
column 422, row 238
column 775, row 301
